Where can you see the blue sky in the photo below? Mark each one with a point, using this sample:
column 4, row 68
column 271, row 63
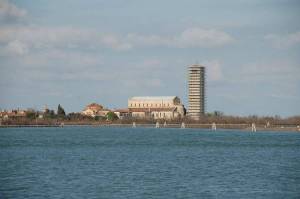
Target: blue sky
column 76, row 52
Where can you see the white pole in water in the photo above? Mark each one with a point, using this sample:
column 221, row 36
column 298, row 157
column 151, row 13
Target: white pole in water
column 133, row 125
column 165, row 124
column 157, row 125
column 253, row 127
column 182, row 125
column 214, row 126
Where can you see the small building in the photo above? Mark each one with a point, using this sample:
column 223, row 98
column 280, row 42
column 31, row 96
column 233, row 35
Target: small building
column 40, row 115
column 160, row 107
column 103, row 112
column 123, row 113
column 94, row 110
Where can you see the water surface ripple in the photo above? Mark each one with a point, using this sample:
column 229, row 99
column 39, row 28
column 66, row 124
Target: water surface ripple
column 89, row 162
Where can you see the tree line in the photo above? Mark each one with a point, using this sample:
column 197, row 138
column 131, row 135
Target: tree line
column 49, row 116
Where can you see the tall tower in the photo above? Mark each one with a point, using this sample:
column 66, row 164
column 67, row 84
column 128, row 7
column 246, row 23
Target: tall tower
column 196, row 91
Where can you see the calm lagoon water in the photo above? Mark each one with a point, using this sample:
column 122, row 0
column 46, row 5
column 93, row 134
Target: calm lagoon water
column 91, row 162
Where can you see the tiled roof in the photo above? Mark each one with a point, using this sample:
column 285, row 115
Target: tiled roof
column 93, row 106
column 125, row 110
column 153, row 98
column 103, row 110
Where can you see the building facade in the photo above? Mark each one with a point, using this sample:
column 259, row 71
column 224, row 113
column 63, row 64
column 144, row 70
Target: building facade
column 196, row 91
column 161, row 107
column 123, row 113
column 94, row 110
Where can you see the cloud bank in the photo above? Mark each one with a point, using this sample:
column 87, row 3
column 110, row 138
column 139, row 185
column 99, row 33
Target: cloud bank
column 284, row 41
column 9, row 11
column 18, row 39
column 191, row 37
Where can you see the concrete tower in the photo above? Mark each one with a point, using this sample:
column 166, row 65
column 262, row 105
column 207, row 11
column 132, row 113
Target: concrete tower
column 196, row 91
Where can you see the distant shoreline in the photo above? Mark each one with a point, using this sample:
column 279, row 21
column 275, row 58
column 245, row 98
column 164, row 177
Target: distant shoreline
column 243, row 127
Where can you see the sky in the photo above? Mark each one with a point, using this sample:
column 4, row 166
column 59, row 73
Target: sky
column 74, row 52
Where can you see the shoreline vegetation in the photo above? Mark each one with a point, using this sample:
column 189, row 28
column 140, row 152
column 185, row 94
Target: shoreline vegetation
column 242, row 127
column 217, row 119
column 206, row 122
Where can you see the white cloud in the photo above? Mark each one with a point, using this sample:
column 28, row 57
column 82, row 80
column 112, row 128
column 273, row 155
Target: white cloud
column 280, row 68
column 34, row 37
column 10, row 11
column 149, row 64
column 153, row 82
column 283, row 75
column 41, row 37
column 148, row 40
column 16, row 48
column 197, row 37
column 284, row 41
column 214, row 70
column 191, row 37
column 62, row 60
column 115, row 43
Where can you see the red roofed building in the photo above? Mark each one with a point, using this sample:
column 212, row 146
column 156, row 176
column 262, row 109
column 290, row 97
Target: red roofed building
column 95, row 110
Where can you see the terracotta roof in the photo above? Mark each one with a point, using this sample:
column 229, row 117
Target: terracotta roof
column 105, row 109
column 94, row 106
column 159, row 98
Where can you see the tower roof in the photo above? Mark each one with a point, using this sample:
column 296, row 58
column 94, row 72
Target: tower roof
column 196, row 66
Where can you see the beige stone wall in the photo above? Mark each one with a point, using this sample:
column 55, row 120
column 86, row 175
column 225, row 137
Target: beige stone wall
column 150, row 103
column 139, row 114
column 154, row 102
column 88, row 112
column 162, row 114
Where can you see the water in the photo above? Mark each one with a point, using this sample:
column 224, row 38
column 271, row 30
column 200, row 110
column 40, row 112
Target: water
column 87, row 162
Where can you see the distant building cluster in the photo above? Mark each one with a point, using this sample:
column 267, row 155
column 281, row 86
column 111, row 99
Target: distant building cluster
column 12, row 113
column 162, row 107
column 18, row 113
column 150, row 107
column 97, row 110
column 159, row 107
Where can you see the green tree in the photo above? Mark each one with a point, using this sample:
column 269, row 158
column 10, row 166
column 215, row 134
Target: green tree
column 218, row 113
column 111, row 116
column 99, row 118
column 60, row 111
column 31, row 114
column 49, row 114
